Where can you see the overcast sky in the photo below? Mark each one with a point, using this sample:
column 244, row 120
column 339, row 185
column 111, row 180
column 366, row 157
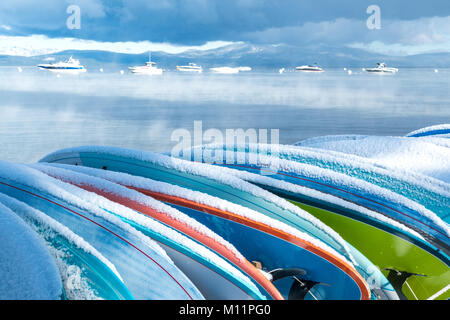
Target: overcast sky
column 407, row 26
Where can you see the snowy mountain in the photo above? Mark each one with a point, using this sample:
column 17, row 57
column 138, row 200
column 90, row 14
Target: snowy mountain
column 239, row 54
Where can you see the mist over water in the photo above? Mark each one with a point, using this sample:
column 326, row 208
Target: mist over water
column 40, row 112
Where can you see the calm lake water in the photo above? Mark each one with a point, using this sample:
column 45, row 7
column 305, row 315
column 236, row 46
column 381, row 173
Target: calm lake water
column 40, row 112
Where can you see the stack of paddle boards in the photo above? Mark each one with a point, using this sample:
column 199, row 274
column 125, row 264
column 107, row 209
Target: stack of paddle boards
column 314, row 221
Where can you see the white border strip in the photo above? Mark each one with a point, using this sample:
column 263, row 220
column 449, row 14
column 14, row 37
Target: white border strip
column 439, row 293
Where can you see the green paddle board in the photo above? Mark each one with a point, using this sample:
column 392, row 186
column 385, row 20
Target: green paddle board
column 389, row 251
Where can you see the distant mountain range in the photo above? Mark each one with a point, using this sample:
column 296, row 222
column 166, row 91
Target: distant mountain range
column 244, row 54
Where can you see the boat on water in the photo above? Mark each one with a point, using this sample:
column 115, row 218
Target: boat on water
column 70, row 66
column 150, row 68
column 229, row 70
column 382, row 68
column 191, row 67
column 225, row 70
column 309, row 68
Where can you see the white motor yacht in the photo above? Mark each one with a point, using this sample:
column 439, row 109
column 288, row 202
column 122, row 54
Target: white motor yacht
column 70, row 66
column 225, row 70
column 191, row 67
column 149, row 68
column 309, row 68
column 381, row 68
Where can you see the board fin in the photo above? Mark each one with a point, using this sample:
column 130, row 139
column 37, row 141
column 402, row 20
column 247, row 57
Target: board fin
column 300, row 289
column 398, row 278
column 278, row 274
